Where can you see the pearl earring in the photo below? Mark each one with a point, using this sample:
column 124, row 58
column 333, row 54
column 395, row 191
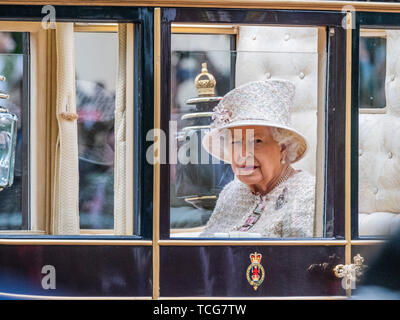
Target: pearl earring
column 283, row 161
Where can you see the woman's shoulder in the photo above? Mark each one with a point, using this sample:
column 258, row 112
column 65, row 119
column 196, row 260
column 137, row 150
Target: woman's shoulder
column 304, row 178
column 303, row 184
column 235, row 193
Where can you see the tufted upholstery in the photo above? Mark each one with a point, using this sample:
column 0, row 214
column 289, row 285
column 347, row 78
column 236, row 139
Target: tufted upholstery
column 292, row 54
column 379, row 154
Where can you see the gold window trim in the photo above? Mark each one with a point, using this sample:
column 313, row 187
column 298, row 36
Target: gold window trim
column 248, row 4
column 38, row 134
column 156, row 242
column 346, row 243
column 43, row 127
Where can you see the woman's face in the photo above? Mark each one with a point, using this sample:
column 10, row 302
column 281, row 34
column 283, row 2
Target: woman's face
column 256, row 156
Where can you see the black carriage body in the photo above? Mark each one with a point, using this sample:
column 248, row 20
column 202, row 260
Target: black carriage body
column 150, row 264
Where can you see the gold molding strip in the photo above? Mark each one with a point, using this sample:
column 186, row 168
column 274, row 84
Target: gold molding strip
column 95, row 27
column 73, row 242
column 201, row 29
column 51, row 123
column 258, row 298
column 252, row 242
column 373, row 110
column 110, row 27
column 156, row 166
column 348, row 129
column 364, row 32
column 367, row 242
column 349, row 31
column 245, row 4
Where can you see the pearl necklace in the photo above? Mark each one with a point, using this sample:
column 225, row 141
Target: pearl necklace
column 288, row 172
column 255, row 215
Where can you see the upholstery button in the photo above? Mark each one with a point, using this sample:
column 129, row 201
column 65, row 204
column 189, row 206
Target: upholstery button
column 301, row 75
column 375, row 190
column 360, row 152
column 287, row 36
column 390, row 155
column 268, row 75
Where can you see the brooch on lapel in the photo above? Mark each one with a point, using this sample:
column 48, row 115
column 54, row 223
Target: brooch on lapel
column 282, row 199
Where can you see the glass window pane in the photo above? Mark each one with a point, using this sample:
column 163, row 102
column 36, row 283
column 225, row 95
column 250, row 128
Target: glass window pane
column 379, row 133
column 372, row 70
column 213, row 198
column 12, row 215
column 96, row 68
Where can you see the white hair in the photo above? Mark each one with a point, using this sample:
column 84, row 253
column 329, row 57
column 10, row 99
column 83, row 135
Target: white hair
column 284, row 137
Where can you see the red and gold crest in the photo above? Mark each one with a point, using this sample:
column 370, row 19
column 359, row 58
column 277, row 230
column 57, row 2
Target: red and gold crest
column 255, row 272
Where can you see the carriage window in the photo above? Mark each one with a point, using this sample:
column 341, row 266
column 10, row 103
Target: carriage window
column 102, row 131
column 379, row 133
column 247, row 105
column 14, row 169
column 372, row 69
column 95, row 91
column 66, row 167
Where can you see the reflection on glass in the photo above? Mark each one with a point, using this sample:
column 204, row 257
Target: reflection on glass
column 194, row 188
column 8, row 135
column 198, row 207
column 11, row 66
column 379, row 134
column 95, row 91
column 372, row 71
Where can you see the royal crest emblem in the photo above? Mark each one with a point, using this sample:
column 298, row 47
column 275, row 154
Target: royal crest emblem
column 255, row 272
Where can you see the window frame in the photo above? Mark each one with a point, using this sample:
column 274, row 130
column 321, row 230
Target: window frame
column 28, row 18
column 233, row 32
column 335, row 108
column 371, row 33
column 363, row 20
column 34, row 92
column 111, row 28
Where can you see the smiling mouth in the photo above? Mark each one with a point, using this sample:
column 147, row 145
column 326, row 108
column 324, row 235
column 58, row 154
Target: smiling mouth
column 248, row 168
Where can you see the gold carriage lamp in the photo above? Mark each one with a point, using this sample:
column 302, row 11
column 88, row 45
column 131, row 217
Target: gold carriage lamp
column 199, row 184
column 205, row 82
column 8, row 137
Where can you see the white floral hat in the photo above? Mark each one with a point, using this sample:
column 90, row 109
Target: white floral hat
column 257, row 103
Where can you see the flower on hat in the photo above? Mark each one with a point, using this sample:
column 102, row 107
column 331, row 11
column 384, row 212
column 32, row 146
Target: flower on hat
column 257, row 103
column 222, row 115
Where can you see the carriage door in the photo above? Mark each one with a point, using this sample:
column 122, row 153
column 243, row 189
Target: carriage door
column 72, row 84
column 375, row 132
column 233, row 47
